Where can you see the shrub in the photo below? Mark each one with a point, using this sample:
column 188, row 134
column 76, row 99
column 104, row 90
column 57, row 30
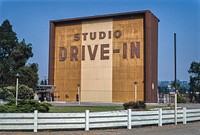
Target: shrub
column 142, row 104
column 134, row 105
column 10, row 101
column 24, row 106
column 3, row 108
column 180, row 99
column 44, row 107
column 8, row 109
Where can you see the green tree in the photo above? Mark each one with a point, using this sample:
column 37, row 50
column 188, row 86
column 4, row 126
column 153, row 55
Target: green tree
column 45, row 82
column 176, row 85
column 8, row 41
column 25, row 92
column 42, row 82
column 194, row 72
column 13, row 57
column 9, row 92
column 6, row 93
column 29, row 75
column 163, row 90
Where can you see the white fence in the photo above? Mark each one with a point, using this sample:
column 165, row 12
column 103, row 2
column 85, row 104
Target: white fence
column 126, row 118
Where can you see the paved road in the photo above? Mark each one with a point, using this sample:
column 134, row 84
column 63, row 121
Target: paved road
column 85, row 104
column 190, row 105
column 189, row 129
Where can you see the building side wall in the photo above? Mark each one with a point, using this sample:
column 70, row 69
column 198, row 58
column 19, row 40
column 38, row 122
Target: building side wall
column 151, row 58
column 51, row 54
column 154, row 26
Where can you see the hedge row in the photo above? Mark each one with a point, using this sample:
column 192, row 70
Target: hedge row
column 24, row 106
column 134, row 105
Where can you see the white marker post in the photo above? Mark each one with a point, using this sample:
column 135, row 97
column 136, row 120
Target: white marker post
column 79, row 99
column 135, row 83
column 17, row 85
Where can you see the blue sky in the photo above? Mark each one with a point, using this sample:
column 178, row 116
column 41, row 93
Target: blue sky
column 30, row 20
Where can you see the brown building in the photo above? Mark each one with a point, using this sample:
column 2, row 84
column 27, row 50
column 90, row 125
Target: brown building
column 113, row 57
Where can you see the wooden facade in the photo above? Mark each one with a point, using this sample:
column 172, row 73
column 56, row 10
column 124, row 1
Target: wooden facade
column 105, row 54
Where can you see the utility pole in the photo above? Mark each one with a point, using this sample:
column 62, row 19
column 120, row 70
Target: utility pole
column 175, row 94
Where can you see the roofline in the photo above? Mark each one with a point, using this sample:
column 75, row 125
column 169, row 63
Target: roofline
column 102, row 16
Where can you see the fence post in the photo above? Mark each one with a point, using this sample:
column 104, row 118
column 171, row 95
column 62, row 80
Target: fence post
column 184, row 115
column 129, row 119
column 160, row 117
column 35, row 120
column 86, row 120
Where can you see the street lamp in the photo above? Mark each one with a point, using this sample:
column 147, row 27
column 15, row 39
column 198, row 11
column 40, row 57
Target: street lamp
column 78, row 86
column 17, row 75
column 135, row 83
